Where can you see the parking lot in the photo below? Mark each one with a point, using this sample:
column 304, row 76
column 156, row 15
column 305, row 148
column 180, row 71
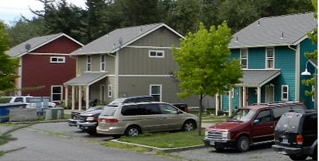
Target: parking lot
column 61, row 129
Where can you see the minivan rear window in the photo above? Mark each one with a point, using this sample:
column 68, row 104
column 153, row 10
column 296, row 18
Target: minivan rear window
column 108, row 111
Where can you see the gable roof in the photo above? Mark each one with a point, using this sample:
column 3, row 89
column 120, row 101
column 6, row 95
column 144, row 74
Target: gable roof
column 35, row 43
column 275, row 31
column 119, row 38
column 258, row 77
column 88, row 78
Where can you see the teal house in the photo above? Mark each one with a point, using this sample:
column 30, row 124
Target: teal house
column 271, row 51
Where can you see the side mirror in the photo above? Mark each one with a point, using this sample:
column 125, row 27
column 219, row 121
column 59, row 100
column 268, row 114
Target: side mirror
column 256, row 121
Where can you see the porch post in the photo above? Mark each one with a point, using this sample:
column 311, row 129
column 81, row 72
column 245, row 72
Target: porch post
column 258, row 95
column 229, row 103
column 80, row 98
column 216, row 104
column 244, row 96
column 73, row 98
column 87, row 100
column 66, row 96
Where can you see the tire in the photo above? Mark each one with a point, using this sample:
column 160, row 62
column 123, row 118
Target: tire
column 315, row 155
column 92, row 132
column 298, row 157
column 220, row 149
column 132, row 131
column 243, row 144
column 189, row 125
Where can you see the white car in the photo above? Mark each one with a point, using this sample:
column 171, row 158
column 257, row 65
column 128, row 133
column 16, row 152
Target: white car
column 31, row 101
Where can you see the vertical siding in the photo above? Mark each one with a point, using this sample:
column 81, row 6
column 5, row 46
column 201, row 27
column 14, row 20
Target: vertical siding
column 95, row 64
column 38, row 71
column 132, row 86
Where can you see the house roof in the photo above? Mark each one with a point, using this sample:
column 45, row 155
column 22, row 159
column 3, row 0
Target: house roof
column 258, row 77
column 35, row 43
column 87, row 78
column 275, row 31
column 119, row 38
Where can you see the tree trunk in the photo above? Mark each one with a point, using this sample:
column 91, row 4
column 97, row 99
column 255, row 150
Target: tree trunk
column 200, row 114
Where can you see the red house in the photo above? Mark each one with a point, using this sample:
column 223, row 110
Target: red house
column 45, row 64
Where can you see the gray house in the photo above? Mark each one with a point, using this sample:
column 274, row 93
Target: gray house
column 127, row 62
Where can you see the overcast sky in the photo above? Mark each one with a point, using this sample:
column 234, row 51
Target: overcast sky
column 11, row 10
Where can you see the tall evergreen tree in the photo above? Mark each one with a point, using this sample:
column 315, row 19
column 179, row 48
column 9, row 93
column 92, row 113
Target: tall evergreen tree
column 8, row 65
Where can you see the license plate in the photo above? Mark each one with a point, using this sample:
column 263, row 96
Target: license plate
column 285, row 141
column 212, row 142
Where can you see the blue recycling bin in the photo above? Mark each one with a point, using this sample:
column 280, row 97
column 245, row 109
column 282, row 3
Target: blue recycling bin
column 5, row 110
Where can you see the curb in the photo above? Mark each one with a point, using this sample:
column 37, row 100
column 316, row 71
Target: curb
column 167, row 150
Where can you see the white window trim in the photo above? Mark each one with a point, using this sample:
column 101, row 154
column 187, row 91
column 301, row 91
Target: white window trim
column 89, row 63
column 56, row 93
column 160, row 94
column 109, row 90
column 282, row 92
column 102, row 63
column 58, row 61
column 157, row 51
column 241, row 53
column 270, row 58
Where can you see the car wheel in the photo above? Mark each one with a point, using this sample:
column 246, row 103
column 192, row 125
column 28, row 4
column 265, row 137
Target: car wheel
column 92, row 132
column 243, row 144
column 297, row 157
column 220, row 149
column 315, row 155
column 189, row 125
column 132, row 131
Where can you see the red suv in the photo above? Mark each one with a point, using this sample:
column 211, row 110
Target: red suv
column 249, row 125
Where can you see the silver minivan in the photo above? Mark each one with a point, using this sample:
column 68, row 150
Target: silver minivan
column 132, row 119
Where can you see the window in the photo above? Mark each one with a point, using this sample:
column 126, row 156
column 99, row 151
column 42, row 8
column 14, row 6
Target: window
column 102, row 65
column 264, row 116
column 54, row 59
column 284, row 92
column 88, row 63
column 156, row 53
column 244, row 58
column 156, row 92
column 270, row 57
column 56, row 93
column 109, row 91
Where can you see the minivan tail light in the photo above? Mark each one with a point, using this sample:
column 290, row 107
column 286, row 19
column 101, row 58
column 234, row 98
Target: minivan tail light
column 107, row 120
column 299, row 139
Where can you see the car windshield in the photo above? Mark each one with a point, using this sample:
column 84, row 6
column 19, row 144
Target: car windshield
column 242, row 115
column 108, row 111
column 116, row 102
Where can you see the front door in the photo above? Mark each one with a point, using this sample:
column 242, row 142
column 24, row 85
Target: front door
column 269, row 93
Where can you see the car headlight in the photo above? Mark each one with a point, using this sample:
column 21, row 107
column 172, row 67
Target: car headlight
column 89, row 118
column 226, row 135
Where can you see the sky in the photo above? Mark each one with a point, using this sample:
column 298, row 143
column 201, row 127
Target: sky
column 11, row 10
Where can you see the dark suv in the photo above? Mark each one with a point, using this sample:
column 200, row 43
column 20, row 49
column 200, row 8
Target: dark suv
column 249, row 125
column 296, row 135
column 88, row 121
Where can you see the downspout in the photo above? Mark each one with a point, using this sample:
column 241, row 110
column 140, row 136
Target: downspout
column 297, row 73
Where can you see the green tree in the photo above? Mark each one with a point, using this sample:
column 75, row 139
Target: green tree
column 8, row 65
column 205, row 67
column 312, row 55
column 184, row 16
